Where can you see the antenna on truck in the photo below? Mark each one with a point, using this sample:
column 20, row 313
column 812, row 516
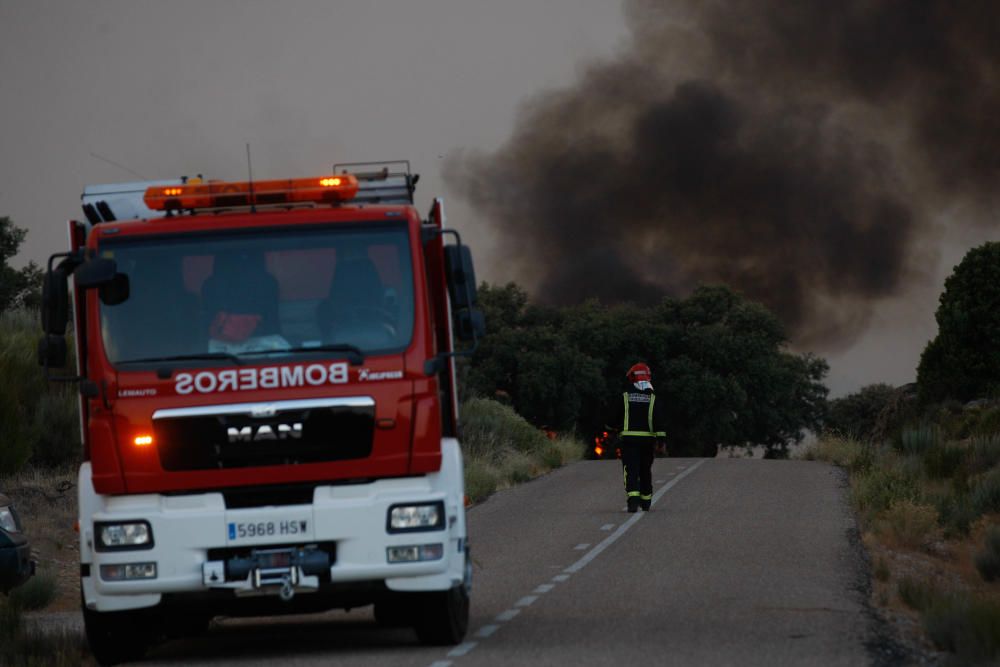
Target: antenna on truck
column 253, row 205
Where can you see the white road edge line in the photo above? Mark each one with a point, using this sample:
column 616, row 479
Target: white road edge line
column 561, row 578
column 543, row 588
column 441, row 663
column 526, row 601
column 613, row 537
column 607, row 526
column 581, row 547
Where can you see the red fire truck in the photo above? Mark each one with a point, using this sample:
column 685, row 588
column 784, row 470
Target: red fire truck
column 268, row 403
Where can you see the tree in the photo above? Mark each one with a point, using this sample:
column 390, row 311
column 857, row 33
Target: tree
column 718, row 362
column 18, row 288
column 856, row 415
column 963, row 361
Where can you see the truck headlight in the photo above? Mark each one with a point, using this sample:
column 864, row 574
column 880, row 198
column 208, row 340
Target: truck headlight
column 8, row 520
column 121, row 535
column 416, row 517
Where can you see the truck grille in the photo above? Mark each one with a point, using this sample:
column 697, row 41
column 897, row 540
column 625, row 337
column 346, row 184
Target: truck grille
column 264, row 434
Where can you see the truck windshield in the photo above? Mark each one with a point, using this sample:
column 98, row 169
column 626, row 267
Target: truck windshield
column 229, row 295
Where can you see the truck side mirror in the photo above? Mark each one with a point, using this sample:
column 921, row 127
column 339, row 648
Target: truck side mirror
column 52, row 351
column 461, row 276
column 115, row 292
column 96, row 272
column 102, row 273
column 55, row 302
column 470, row 324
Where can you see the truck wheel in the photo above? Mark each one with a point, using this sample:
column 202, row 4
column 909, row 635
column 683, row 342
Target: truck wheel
column 116, row 637
column 443, row 617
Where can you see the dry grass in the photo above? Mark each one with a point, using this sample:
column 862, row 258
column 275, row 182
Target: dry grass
column 502, row 449
column 908, row 525
column 21, row 646
column 46, row 501
column 832, row 449
column 929, row 508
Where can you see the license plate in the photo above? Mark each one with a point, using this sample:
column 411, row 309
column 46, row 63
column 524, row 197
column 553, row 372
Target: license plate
column 269, row 527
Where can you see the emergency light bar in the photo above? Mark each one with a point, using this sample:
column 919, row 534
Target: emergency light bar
column 219, row 194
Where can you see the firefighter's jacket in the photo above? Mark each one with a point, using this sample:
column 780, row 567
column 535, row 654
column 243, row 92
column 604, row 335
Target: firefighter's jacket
column 639, row 415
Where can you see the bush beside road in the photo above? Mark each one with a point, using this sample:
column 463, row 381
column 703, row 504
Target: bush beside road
column 929, row 508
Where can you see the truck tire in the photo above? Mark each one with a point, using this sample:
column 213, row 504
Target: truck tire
column 443, row 617
column 116, row 637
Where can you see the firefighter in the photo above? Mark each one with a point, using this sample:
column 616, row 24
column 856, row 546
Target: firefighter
column 639, row 419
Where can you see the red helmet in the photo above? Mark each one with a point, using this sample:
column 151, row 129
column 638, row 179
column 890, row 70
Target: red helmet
column 639, row 372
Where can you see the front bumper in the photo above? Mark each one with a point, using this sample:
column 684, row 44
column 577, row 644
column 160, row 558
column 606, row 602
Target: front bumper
column 195, row 535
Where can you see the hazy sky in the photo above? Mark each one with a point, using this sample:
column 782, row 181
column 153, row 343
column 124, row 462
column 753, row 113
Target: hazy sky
column 172, row 88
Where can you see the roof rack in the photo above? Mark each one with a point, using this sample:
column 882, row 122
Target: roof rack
column 391, row 182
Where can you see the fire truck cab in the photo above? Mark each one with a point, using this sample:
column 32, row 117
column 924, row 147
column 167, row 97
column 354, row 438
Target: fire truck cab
column 268, row 403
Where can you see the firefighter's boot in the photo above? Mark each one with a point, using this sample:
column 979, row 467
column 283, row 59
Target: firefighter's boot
column 633, row 505
column 645, row 504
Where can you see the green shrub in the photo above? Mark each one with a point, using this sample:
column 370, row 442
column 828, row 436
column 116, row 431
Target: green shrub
column 965, row 625
column 37, row 593
column 916, row 593
column 955, row 512
column 909, row 524
column 985, row 493
column 480, row 479
column 38, row 421
column 882, row 485
column 517, row 467
column 983, row 453
column 988, row 560
column 502, row 449
column 855, row 416
column 881, row 570
column 489, row 425
column 943, row 460
column 917, row 440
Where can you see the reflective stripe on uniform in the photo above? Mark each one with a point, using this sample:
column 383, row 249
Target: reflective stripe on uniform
column 649, row 420
column 645, row 497
column 633, row 494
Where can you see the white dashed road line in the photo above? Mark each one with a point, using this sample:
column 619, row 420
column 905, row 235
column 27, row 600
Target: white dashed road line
column 462, row 649
column 614, row 537
column 504, row 616
column 487, row 630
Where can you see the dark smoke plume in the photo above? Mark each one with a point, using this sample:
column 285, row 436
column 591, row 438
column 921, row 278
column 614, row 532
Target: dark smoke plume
column 801, row 152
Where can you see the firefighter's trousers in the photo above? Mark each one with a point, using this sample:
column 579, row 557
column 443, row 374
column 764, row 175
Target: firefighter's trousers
column 637, row 459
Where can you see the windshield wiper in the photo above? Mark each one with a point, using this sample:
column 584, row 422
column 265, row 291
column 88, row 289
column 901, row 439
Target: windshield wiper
column 187, row 357
column 354, row 354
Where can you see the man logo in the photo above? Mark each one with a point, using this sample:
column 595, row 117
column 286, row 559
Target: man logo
column 265, row 432
column 263, row 411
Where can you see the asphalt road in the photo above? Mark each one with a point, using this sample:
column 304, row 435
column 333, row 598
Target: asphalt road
column 740, row 562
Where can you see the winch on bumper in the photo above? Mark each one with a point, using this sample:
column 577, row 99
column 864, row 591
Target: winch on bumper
column 382, row 531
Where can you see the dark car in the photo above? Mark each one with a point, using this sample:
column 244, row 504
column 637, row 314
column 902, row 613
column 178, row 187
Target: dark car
column 16, row 565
